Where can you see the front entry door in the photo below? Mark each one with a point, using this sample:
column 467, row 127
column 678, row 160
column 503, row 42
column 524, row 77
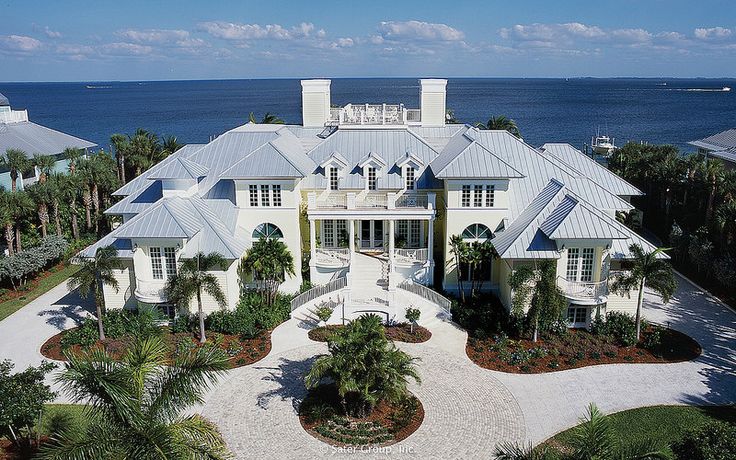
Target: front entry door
column 371, row 234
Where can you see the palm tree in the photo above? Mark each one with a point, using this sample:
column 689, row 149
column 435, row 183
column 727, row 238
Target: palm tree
column 270, row 260
column 501, row 123
column 45, row 165
column 512, row 451
column 72, row 156
column 85, row 176
column 69, row 192
column 712, row 173
column 193, row 278
column 57, row 186
column 6, row 218
column 21, row 206
column 41, row 195
column 121, row 144
column 16, row 161
column 459, row 249
column 145, row 150
column 135, row 405
column 726, row 221
column 365, row 366
column 268, row 119
column 648, row 271
column 170, row 145
column 93, row 275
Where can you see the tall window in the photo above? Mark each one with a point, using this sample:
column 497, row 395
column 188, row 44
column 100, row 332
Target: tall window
column 276, row 195
column 328, row 233
column 333, row 178
column 264, row 195
column 573, row 256
column 402, row 229
column 410, row 181
column 156, row 266
column 478, row 196
column 465, row 199
column 586, row 267
column 253, row 189
column 372, row 182
column 414, row 234
column 490, row 195
column 170, row 258
column 580, row 264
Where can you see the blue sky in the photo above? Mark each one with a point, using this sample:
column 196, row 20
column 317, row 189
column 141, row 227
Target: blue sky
column 136, row 40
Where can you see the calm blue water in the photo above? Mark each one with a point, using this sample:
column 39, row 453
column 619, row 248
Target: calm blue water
column 546, row 110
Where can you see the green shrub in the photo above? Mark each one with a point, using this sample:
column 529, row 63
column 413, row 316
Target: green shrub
column 653, row 339
column 117, row 324
column 185, row 323
column 712, row 441
column 621, row 326
column 323, row 313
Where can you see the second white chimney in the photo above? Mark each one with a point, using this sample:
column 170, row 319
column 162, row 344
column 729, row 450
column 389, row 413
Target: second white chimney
column 433, row 101
column 315, row 103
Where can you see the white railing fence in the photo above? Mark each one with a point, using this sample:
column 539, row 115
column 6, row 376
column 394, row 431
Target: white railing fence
column 411, row 255
column 411, row 200
column 372, row 200
column 332, row 200
column 583, row 290
column 318, row 291
column 333, row 256
column 427, row 294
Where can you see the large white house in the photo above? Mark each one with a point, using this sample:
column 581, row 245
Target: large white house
column 372, row 193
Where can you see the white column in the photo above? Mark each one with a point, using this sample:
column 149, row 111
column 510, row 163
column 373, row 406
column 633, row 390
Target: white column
column 391, row 276
column 430, row 250
column 351, row 233
column 312, row 242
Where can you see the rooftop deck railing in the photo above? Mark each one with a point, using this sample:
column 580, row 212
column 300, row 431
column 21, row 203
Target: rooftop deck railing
column 374, row 114
column 14, row 116
column 370, row 200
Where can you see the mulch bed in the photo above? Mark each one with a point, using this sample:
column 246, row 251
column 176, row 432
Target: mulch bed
column 381, row 414
column 31, row 285
column 398, row 332
column 241, row 352
column 578, row 348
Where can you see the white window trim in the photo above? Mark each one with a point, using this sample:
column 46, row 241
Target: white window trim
column 336, row 171
column 583, row 255
column 377, row 171
column 405, row 175
column 161, row 258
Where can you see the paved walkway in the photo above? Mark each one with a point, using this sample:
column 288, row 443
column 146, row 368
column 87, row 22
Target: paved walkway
column 468, row 409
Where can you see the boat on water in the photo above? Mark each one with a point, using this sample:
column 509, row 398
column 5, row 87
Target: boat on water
column 602, row 145
column 726, row 89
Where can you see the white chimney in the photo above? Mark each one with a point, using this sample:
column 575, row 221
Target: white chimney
column 433, row 101
column 315, row 103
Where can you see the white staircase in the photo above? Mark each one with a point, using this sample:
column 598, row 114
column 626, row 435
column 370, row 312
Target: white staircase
column 368, row 286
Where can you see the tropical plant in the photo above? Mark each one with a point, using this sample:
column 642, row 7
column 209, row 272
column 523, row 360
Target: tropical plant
column 22, row 398
column 45, row 165
column 501, row 123
column 72, row 156
column 459, row 250
column 120, row 144
column 324, row 313
column 547, row 302
column 16, row 161
column 7, row 219
column 268, row 119
column 649, row 270
column 412, row 315
column 365, row 366
column 192, row 279
column 21, row 205
column 170, row 145
column 42, row 196
column 57, row 186
column 712, row 441
column 512, row 451
column 269, row 261
column 135, row 404
column 93, row 274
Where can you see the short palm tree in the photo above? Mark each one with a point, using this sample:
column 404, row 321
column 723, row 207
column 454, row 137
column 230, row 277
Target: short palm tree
column 648, row 271
column 72, row 156
column 135, row 404
column 268, row 119
column 21, row 208
column 93, row 275
column 193, row 278
column 45, row 165
column 42, row 196
column 460, row 251
column 270, row 260
column 365, row 366
column 501, row 123
column 16, row 161
column 6, row 218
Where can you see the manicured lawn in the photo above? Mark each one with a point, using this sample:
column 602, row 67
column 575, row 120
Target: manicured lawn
column 663, row 424
column 44, row 284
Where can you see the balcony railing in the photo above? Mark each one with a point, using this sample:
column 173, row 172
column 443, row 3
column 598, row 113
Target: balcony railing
column 150, row 291
column 332, row 200
column 332, row 257
column 585, row 291
column 374, row 114
column 410, row 256
column 411, row 200
column 371, row 200
column 14, row 116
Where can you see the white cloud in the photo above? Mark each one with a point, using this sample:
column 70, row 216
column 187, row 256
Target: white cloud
column 153, row 35
column 713, row 33
column 125, row 49
column 51, row 33
column 239, row 32
column 19, row 43
column 417, row 30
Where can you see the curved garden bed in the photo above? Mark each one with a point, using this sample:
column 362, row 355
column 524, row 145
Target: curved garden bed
column 400, row 332
column 322, row 416
column 578, row 348
column 241, row 352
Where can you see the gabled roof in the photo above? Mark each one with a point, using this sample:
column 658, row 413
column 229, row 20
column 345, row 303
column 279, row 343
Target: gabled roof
column 4, row 100
column 138, row 200
column 590, row 168
column 725, row 140
column 410, row 158
column 574, row 219
column 169, row 218
column 463, row 157
column 36, row 139
column 140, row 182
column 335, row 158
column 374, row 158
column 179, row 168
column 265, row 162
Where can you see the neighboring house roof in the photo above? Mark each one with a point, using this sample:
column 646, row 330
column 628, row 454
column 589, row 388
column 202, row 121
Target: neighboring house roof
column 36, row 139
column 726, row 155
column 725, row 140
column 4, row 100
column 578, row 161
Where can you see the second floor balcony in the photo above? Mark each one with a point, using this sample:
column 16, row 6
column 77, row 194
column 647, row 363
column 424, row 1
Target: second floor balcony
column 371, row 200
column 150, row 291
column 584, row 292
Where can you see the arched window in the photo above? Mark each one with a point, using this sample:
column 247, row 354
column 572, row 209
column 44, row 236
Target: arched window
column 268, row 231
column 477, row 232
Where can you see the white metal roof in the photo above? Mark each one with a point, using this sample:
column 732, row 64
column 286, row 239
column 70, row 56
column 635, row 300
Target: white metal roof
column 36, row 139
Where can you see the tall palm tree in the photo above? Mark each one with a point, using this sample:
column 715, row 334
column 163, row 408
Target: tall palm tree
column 69, row 193
column 41, row 194
column 170, row 145
column 712, row 173
column 648, row 271
column 135, row 405
column 93, row 275
column 365, row 366
column 270, row 260
column 16, row 161
column 145, row 150
column 193, row 278
column 120, row 144
column 45, row 165
column 72, row 156
column 21, row 206
column 502, row 123
column 7, row 220
column 268, row 119
column 85, row 175
column 459, row 250
column 726, row 221
column 57, row 186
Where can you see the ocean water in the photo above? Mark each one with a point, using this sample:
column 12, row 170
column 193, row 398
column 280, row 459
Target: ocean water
column 546, row 110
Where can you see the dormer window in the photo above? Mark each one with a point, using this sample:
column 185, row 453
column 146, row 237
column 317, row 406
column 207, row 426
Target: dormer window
column 372, row 181
column 409, row 178
column 334, row 178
